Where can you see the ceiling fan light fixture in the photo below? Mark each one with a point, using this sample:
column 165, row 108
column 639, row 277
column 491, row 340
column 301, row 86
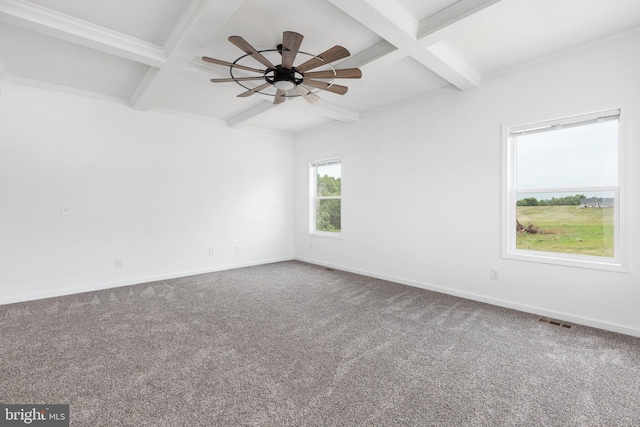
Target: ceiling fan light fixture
column 284, row 84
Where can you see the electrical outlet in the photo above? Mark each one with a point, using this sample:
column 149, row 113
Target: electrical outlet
column 310, row 245
column 118, row 262
column 212, row 252
column 495, row 274
column 237, row 249
column 65, row 210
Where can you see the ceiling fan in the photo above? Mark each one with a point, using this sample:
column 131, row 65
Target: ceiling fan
column 289, row 80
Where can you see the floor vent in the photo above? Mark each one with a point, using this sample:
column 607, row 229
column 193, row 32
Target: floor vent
column 329, row 269
column 555, row 322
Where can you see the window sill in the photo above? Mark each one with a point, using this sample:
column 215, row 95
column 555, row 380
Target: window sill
column 568, row 260
column 337, row 236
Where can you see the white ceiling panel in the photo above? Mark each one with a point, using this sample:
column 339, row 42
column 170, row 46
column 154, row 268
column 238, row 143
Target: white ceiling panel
column 37, row 57
column 522, row 30
column 148, row 20
column 291, row 117
column 200, row 97
column 401, row 80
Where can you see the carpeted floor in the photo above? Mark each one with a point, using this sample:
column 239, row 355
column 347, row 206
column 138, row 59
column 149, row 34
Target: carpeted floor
column 293, row 344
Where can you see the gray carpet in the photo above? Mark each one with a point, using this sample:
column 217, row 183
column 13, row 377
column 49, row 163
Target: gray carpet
column 293, row 344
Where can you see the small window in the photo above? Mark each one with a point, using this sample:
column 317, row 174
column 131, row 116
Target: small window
column 326, row 195
column 562, row 200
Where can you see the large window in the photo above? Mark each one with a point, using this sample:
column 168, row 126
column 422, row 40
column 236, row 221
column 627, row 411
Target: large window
column 326, row 203
column 563, row 191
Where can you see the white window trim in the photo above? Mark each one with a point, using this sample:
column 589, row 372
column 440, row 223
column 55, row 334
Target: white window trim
column 509, row 251
column 313, row 186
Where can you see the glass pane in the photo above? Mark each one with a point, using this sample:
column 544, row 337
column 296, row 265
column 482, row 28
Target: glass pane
column 329, row 180
column 580, row 156
column 581, row 224
column 328, row 215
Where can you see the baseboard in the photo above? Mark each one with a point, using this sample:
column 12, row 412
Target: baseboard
column 579, row 320
column 133, row 281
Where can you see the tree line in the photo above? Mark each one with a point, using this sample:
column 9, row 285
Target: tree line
column 554, row 201
column 328, row 211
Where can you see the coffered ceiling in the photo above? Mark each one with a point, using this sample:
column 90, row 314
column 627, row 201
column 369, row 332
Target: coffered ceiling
column 147, row 53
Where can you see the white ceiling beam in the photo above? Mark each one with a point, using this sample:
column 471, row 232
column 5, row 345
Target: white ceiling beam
column 454, row 19
column 250, row 113
column 447, row 54
column 368, row 55
column 55, row 24
column 201, row 20
column 389, row 20
column 336, row 112
column 209, row 71
column 384, row 62
column 378, row 57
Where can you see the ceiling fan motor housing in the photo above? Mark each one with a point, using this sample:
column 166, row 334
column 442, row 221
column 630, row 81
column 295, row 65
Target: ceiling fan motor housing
column 284, row 78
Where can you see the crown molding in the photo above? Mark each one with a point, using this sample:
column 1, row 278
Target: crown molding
column 445, row 90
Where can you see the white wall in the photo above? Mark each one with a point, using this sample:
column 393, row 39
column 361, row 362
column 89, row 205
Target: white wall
column 422, row 192
column 153, row 189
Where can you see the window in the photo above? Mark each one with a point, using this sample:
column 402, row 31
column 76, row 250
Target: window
column 563, row 191
column 326, row 195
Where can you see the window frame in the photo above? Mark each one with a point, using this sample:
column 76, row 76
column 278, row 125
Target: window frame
column 314, row 198
column 509, row 189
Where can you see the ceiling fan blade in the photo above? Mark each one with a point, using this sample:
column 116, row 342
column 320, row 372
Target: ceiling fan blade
column 340, row 90
column 330, row 55
column 244, row 45
column 307, row 94
column 347, row 73
column 254, row 90
column 230, row 64
column 280, row 97
column 291, row 42
column 237, row 79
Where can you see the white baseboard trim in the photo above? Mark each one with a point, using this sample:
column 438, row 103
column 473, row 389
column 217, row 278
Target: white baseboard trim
column 579, row 320
column 133, row 281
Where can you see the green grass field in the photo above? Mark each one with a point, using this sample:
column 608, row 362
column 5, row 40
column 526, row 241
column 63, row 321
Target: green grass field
column 567, row 229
